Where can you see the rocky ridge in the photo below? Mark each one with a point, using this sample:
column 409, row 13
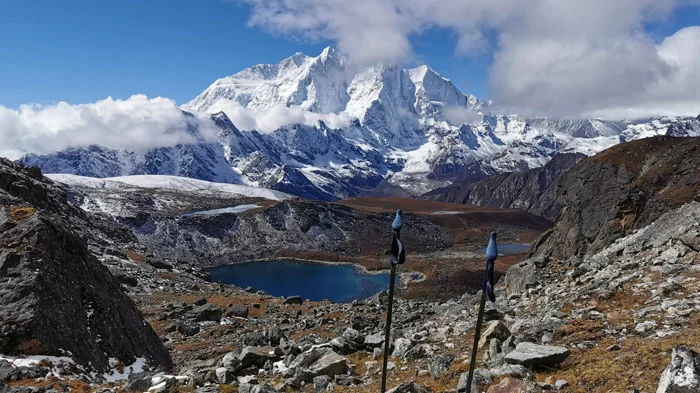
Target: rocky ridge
column 56, row 298
column 534, row 190
column 622, row 189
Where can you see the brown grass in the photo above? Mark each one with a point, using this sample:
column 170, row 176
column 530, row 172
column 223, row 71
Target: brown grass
column 21, row 212
column 76, row 386
column 638, row 364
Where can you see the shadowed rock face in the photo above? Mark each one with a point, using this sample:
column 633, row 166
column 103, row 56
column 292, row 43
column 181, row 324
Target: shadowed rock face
column 56, row 298
column 624, row 188
column 286, row 226
column 534, row 190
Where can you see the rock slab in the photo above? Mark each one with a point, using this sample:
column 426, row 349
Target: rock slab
column 533, row 355
column 683, row 373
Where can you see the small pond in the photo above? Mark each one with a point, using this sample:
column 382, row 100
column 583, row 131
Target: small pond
column 314, row 281
column 232, row 209
column 510, row 249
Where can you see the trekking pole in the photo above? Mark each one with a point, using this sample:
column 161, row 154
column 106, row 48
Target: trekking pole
column 486, row 290
column 398, row 257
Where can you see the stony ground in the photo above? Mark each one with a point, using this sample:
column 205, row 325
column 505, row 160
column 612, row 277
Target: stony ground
column 608, row 324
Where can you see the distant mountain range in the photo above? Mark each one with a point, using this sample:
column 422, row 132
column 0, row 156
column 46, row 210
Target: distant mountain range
column 408, row 131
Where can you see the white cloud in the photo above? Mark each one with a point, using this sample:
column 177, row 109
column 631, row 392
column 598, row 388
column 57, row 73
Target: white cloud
column 552, row 57
column 277, row 116
column 135, row 123
column 458, row 115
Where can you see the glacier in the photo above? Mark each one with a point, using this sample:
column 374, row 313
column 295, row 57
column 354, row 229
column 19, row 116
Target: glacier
column 362, row 129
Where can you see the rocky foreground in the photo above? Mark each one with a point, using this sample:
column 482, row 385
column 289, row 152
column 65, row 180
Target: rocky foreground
column 619, row 315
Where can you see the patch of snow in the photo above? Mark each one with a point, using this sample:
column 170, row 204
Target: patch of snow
column 140, row 365
column 234, row 209
column 58, row 363
column 174, row 183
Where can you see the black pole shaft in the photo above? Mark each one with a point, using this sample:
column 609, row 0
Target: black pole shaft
column 387, row 332
column 477, row 336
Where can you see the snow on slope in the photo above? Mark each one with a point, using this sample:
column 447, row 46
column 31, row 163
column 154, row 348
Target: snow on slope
column 173, row 183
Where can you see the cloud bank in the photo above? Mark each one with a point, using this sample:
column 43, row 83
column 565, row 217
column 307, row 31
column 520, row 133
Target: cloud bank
column 275, row 117
column 135, row 123
column 551, row 57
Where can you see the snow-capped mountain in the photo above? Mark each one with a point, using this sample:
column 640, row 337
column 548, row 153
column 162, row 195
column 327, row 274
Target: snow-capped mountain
column 354, row 128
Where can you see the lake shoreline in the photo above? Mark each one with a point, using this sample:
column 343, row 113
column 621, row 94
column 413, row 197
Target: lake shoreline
column 405, row 278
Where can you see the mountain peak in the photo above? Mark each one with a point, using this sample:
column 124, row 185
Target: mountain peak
column 327, row 52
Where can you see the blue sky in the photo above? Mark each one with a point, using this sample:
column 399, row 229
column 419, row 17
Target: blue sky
column 81, row 51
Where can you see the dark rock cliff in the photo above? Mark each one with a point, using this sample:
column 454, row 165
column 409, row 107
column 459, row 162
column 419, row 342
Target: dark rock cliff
column 56, row 298
column 624, row 188
column 534, row 190
column 287, row 226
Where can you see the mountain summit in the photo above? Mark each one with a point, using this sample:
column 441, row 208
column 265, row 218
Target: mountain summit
column 330, row 83
column 339, row 131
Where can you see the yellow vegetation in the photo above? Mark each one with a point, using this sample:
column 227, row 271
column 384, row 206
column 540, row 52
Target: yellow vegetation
column 21, row 212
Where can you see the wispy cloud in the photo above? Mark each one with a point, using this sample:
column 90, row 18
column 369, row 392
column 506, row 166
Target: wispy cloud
column 277, row 116
column 135, row 123
column 551, row 57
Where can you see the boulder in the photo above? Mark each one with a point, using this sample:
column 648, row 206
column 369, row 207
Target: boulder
column 254, row 339
column 322, row 383
column 232, row 362
column 419, row 351
column 520, row 276
column 374, row 340
column 353, row 337
column 236, row 312
column 138, row 382
column 495, row 329
column 315, row 362
column 401, row 346
column 305, row 360
column 294, row 300
column 683, row 373
column 224, row 375
column 440, row 364
column 257, row 356
column 533, row 355
column 188, row 329
column 273, row 334
column 206, row 312
column 329, row 364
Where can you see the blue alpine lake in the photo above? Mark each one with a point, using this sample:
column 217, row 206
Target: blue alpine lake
column 510, row 249
column 315, row 281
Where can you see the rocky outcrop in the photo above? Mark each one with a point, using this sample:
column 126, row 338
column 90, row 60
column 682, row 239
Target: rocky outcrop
column 622, row 189
column 534, row 190
column 56, row 298
column 683, row 374
column 288, row 226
